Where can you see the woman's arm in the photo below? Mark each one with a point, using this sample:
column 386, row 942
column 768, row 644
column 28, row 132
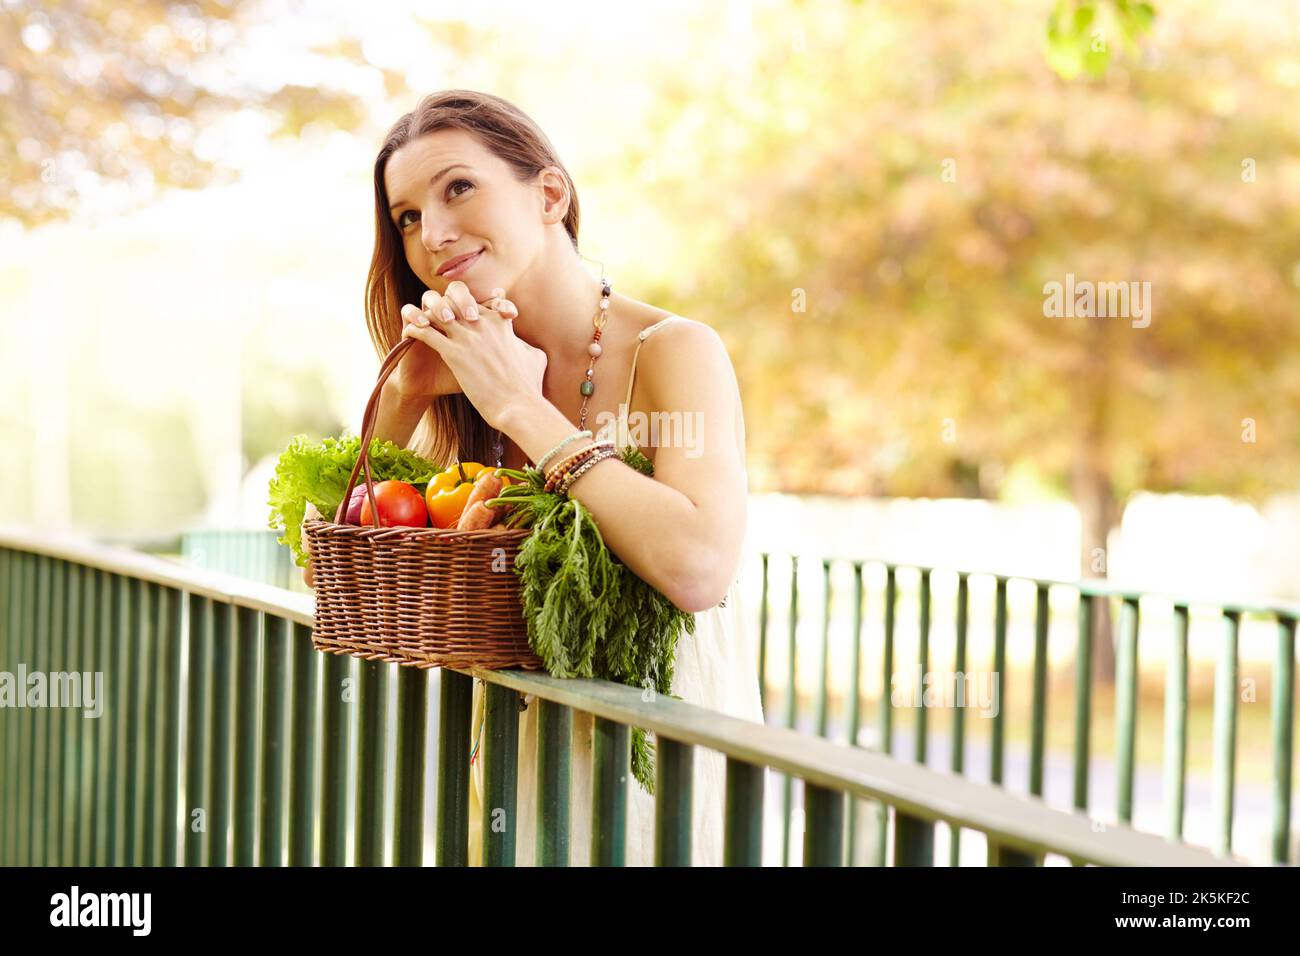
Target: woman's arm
column 398, row 414
column 682, row 530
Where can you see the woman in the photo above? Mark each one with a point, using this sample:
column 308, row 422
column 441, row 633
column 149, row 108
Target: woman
column 476, row 256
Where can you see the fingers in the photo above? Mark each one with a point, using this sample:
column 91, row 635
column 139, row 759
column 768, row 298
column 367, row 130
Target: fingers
column 436, row 339
column 456, row 303
column 434, row 305
column 458, row 295
column 411, row 315
column 500, row 304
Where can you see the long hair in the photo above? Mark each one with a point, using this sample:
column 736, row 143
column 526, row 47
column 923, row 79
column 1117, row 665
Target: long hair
column 451, row 429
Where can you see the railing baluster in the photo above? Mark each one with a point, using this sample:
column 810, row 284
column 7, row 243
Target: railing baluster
column 170, row 636
column 500, row 776
column 743, row 817
column 88, row 584
column 823, row 841
column 198, row 734
column 120, row 754
column 408, row 802
column 302, row 789
column 142, row 651
column 27, row 723
column 247, row 643
column 913, row 840
column 762, row 641
column 855, row 695
column 554, row 760
column 456, row 697
column 674, row 795
column 1083, row 701
column 610, row 755
column 959, row 713
column 791, row 707
column 1038, row 737
column 106, row 660
column 886, row 703
column 21, row 774
column 334, row 762
column 222, row 648
column 1126, row 687
column 997, row 744
column 373, row 685
column 1176, row 725
column 275, row 684
column 1002, row 855
column 40, row 661
column 1282, row 714
column 153, row 723
column 922, row 665
column 824, row 676
column 9, row 728
column 1225, row 731
column 58, row 712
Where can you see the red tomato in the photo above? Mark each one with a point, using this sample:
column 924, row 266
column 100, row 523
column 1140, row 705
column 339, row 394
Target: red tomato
column 399, row 504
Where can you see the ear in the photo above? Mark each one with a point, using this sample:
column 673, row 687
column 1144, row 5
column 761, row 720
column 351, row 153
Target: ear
column 554, row 193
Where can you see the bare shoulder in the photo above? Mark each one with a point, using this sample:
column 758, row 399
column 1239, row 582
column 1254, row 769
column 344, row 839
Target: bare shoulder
column 684, row 344
column 688, row 369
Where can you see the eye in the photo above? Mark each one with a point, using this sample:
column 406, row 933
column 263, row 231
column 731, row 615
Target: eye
column 401, row 220
column 456, row 183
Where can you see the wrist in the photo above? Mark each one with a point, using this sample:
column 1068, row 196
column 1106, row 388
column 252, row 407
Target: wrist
column 518, row 412
column 403, row 398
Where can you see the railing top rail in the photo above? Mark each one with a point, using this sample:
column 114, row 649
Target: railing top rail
column 1016, row 821
column 1265, row 605
column 226, row 588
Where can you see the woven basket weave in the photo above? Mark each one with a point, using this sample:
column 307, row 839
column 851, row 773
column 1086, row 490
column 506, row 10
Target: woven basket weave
column 424, row 597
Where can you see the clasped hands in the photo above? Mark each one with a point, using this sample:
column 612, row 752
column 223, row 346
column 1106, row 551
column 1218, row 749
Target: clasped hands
column 493, row 366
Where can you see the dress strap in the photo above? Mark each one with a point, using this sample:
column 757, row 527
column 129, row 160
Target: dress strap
column 641, row 337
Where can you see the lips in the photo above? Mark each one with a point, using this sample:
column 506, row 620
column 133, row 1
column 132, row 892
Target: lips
column 459, row 263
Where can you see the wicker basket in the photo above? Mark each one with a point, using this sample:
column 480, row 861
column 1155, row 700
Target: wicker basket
column 424, row 597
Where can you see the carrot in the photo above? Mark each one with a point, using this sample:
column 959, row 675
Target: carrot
column 486, row 487
column 476, row 517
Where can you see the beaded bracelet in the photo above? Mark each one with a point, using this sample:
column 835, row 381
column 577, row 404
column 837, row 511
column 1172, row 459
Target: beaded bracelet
column 577, row 473
column 556, row 471
column 564, row 468
column 541, row 462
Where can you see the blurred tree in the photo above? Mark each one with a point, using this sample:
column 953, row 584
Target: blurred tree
column 888, row 200
column 99, row 93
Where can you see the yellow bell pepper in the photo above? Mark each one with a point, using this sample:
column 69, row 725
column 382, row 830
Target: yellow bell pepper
column 450, row 489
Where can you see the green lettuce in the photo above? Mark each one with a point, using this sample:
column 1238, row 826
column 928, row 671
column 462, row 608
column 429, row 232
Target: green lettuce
column 318, row 472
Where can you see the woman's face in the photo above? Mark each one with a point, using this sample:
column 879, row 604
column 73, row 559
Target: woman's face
column 449, row 196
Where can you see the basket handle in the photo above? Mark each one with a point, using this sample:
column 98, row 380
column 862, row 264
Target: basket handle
column 368, row 419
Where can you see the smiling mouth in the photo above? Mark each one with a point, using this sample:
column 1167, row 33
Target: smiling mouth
column 460, row 266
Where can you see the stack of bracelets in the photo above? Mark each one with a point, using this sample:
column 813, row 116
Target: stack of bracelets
column 561, row 475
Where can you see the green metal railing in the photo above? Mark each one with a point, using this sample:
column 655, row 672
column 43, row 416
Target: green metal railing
column 1088, row 594
column 219, row 745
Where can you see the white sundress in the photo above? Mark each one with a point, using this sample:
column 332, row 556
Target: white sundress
column 716, row 667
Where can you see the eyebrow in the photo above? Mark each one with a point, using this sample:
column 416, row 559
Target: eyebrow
column 436, row 177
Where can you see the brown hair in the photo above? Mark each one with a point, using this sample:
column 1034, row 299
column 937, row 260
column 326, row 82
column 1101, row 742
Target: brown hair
column 451, row 429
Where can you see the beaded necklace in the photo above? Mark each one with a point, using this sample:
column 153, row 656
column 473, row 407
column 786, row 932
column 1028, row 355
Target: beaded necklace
column 588, row 385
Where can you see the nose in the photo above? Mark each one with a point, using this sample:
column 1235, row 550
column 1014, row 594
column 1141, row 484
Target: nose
column 435, row 233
